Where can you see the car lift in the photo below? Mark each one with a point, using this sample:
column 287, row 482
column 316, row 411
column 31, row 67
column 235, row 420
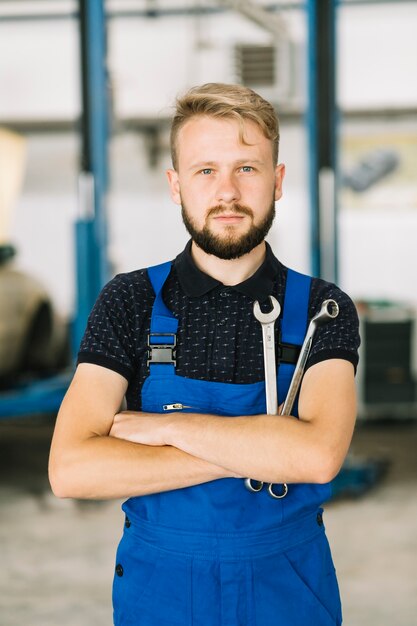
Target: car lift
column 92, row 272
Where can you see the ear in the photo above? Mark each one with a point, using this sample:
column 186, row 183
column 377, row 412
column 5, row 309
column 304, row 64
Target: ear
column 174, row 185
column 279, row 177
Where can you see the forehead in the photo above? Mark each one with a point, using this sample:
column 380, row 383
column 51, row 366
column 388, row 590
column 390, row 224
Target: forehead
column 212, row 139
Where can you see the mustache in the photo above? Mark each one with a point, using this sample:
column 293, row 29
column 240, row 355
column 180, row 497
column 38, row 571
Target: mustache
column 234, row 208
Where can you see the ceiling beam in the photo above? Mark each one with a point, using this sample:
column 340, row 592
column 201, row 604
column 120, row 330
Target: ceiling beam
column 271, row 22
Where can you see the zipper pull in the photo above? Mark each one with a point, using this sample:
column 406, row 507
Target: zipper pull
column 175, row 407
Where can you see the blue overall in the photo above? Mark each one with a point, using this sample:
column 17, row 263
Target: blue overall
column 216, row 554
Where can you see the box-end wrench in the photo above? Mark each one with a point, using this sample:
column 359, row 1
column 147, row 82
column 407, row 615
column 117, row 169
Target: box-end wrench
column 329, row 310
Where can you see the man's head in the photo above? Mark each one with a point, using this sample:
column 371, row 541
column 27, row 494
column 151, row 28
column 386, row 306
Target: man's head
column 222, row 101
column 224, row 143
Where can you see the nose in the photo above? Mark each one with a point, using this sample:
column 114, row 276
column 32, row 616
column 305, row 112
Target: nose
column 227, row 189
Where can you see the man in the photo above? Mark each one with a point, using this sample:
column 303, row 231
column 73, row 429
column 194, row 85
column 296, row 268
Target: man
column 181, row 343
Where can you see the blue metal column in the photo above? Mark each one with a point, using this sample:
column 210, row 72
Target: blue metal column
column 91, row 228
column 45, row 396
column 321, row 126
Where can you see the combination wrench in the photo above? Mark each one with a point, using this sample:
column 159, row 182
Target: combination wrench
column 329, row 310
column 267, row 321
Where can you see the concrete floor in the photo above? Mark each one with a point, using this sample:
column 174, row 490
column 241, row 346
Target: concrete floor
column 57, row 556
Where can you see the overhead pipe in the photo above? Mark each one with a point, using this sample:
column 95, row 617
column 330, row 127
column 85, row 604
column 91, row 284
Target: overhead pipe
column 322, row 138
column 179, row 11
column 271, row 22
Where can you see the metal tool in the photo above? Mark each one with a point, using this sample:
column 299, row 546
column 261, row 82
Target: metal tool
column 329, row 310
column 267, row 321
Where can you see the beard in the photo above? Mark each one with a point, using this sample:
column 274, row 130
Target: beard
column 229, row 245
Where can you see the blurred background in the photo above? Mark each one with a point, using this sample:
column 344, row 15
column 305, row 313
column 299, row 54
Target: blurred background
column 87, row 90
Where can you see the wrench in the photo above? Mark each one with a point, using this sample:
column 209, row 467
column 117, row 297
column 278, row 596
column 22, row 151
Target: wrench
column 267, row 321
column 329, row 310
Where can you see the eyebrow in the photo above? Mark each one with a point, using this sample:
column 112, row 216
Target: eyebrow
column 212, row 163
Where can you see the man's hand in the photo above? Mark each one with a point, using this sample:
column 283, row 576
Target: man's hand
column 151, row 429
column 86, row 463
column 139, row 427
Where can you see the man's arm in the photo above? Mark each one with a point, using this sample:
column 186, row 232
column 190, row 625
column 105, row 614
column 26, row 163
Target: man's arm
column 265, row 447
column 86, row 463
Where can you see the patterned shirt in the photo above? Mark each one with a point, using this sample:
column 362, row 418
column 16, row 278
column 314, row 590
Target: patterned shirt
column 218, row 337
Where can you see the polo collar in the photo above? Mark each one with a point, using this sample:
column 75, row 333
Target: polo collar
column 196, row 283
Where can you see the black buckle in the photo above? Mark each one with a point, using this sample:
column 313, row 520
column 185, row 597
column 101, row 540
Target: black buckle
column 288, row 353
column 162, row 352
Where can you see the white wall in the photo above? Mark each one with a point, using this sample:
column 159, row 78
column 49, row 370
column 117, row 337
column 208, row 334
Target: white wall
column 379, row 255
column 378, row 55
column 39, row 70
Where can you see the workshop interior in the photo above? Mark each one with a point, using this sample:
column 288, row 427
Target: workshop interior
column 87, row 91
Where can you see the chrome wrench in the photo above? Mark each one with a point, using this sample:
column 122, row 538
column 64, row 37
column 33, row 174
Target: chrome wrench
column 267, row 321
column 329, row 310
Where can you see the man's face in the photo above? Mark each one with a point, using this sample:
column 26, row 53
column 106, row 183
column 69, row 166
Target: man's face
column 227, row 189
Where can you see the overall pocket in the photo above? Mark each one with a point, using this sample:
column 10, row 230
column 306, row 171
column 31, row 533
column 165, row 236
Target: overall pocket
column 297, row 588
column 171, row 393
column 312, row 567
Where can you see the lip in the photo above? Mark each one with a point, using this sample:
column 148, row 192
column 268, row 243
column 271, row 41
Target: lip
column 229, row 219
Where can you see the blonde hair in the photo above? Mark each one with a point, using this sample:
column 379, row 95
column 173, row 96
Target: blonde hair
column 226, row 101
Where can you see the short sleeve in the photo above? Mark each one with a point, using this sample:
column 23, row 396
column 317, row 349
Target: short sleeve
column 108, row 340
column 339, row 338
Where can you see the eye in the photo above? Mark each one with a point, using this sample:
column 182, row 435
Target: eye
column 206, row 171
column 247, row 168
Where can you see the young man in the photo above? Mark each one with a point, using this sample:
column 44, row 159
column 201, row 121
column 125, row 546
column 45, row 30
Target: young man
column 181, row 343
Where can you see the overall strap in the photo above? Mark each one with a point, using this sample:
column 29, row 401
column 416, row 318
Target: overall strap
column 294, row 322
column 162, row 339
column 295, row 314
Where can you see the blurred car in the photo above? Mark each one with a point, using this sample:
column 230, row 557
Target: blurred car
column 33, row 339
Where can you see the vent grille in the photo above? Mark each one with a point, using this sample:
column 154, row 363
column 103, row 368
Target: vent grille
column 255, row 65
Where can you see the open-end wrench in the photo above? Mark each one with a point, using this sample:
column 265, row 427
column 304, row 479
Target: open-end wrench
column 329, row 310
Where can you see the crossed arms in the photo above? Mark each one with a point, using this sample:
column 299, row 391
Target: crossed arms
column 98, row 452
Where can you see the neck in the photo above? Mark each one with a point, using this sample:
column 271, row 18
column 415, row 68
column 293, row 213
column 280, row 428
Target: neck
column 230, row 272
